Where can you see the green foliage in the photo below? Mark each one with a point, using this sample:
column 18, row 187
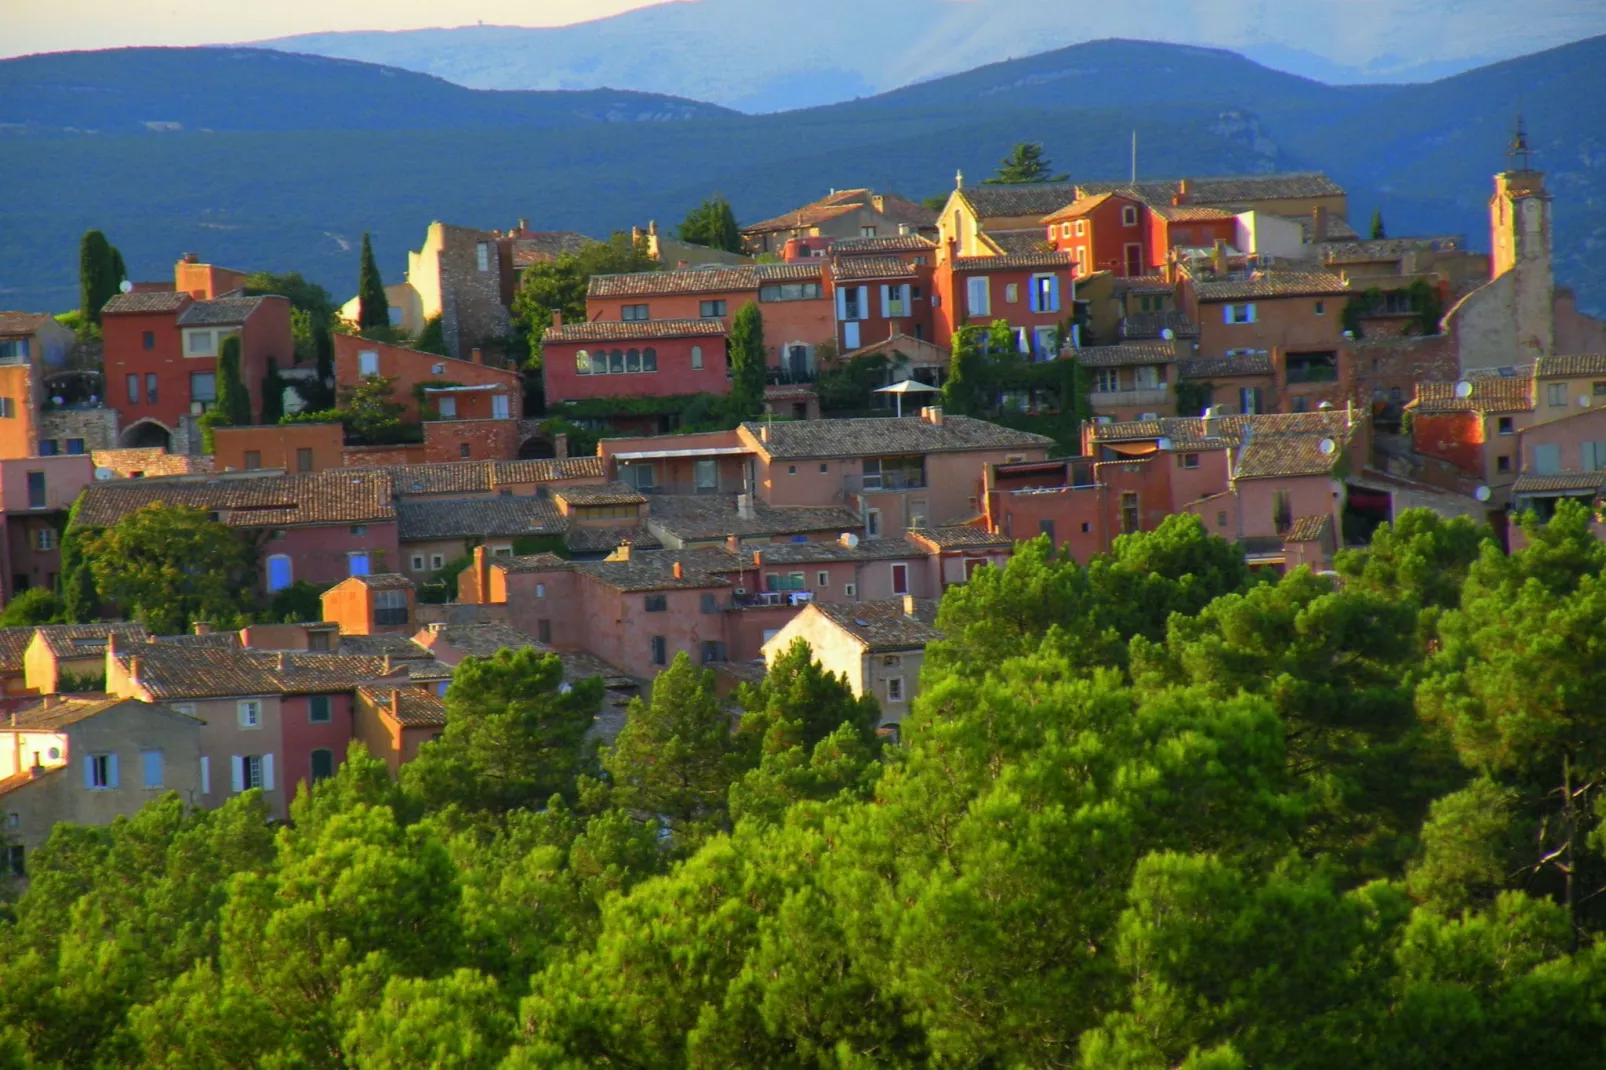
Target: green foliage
column 80, row 601
column 849, row 385
column 1193, row 397
column 299, row 603
column 441, row 587
column 168, row 566
column 1025, row 163
column 961, row 392
column 1422, row 297
column 1377, row 231
column 233, row 399
column 560, row 284
column 210, row 420
column 745, row 347
column 432, row 339
column 100, row 273
column 272, row 394
column 88, row 683
column 373, row 416
column 373, row 308
column 712, row 224
column 36, row 605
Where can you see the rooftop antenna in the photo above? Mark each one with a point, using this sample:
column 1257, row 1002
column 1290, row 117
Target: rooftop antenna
column 1520, row 149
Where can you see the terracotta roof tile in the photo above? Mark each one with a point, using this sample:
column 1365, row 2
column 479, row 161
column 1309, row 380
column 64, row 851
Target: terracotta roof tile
column 807, row 553
column 13, row 644
column 1152, row 324
column 1267, row 445
column 469, row 477
column 412, row 707
column 883, row 625
column 484, row 640
column 894, row 243
column 635, row 330
column 534, row 247
column 172, row 672
column 15, row 323
column 223, row 312
column 583, row 539
column 1310, row 528
column 385, row 581
column 877, row 437
column 1494, row 394
column 960, row 536
column 336, row 496
column 1230, row 189
column 1372, row 250
column 1125, row 355
column 720, row 278
column 87, row 640
column 1013, row 260
column 1036, row 199
column 1227, row 367
column 1580, row 482
column 159, row 301
column 1273, row 284
column 855, row 268
column 599, row 494
column 1189, row 213
column 1571, row 365
column 451, row 518
column 542, row 562
column 654, row 570
column 704, row 516
column 60, row 714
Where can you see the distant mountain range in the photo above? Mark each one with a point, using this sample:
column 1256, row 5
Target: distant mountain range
column 260, row 160
column 779, row 55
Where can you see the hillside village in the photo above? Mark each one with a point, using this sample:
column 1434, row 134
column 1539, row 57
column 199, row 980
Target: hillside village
column 813, row 432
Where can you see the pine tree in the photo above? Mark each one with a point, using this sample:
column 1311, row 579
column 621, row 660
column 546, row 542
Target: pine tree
column 1025, row 163
column 1378, row 232
column 712, row 224
column 272, row 394
column 97, row 274
column 373, row 310
column 233, row 401
column 746, row 348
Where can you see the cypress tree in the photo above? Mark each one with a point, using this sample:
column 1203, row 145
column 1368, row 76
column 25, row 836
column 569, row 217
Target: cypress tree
column 373, row 310
column 97, row 274
column 746, row 347
column 272, row 394
column 1377, row 224
column 712, row 224
column 233, row 400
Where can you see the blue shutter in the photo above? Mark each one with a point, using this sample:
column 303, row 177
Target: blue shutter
column 89, row 771
column 279, row 572
column 1054, row 293
column 112, row 780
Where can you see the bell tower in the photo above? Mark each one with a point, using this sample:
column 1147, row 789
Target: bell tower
column 1520, row 244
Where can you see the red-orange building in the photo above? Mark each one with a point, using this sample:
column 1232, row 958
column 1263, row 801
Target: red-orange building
column 1033, row 291
column 1105, row 232
column 450, row 389
column 655, row 358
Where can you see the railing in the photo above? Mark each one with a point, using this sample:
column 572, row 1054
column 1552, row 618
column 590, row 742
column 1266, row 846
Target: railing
column 884, row 483
column 764, row 599
column 683, row 488
column 784, row 376
column 1160, row 395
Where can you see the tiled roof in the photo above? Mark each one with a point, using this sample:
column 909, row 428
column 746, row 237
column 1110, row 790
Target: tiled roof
column 1570, row 365
column 599, row 494
column 1273, row 284
column 918, row 350
column 223, row 312
column 1025, row 199
column 654, row 570
column 960, row 536
column 336, row 496
column 1270, row 444
column 872, row 437
column 226, row 639
column 582, row 539
column 854, row 268
column 1227, row 367
column 1230, row 189
column 14, row 323
column 1079, row 207
column 1123, row 355
column 1310, row 528
column 711, row 279
column 1141, row 284
column 1351, row 252
column 1018, row 242
column 895, row 208
column 1189, row 213
column 1013, row 260
column 171, row 672
column 1581, row 482
column 542, row 562
column 531, row 247
column 704, row 516
column 1494, row 394
column 385, row 581
column 398, row 647
column 60, row 714
column 634, row 330
column 484, row 640
column 470, row 477
column 810, row 215
column 807, row 553
column 13, row 644
column 895, row 243
column 160, row 301
column 451, row 518
column 87, row 640
column 882, row 625
column 410, row 706
column 1151, row 324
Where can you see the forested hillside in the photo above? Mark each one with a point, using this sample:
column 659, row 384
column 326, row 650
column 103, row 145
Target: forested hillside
column 1154, row 812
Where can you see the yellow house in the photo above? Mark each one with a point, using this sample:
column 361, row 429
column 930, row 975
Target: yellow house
column 877, row 646
column 74, row 651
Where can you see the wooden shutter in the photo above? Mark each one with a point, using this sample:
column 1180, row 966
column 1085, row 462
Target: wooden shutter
column 237, row 771
column 89, row 772
column 267, row 772
column 206, row 775
column 112, row 779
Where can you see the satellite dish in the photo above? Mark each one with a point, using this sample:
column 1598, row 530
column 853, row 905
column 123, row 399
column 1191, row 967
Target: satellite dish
column 849, row 539
column 105, row 473
column 1324, row 404
column 125, row 286
column 1168, row 334
column 1163, row 444
column 1463, row 389
column 1327, row 446
column 1583, row 401
column 1483, row 494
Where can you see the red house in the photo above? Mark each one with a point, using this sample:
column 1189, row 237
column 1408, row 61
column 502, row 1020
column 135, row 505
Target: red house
column 1033, row 291
column 878, row 297
column 462, row 389
column 161, row 353
column 653, row 358
column 1106, row 232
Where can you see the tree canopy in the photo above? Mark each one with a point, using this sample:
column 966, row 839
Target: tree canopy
column 1025, row 163
column 713, row 224
column 560, row 284
column 373, row 307
column 168, row 566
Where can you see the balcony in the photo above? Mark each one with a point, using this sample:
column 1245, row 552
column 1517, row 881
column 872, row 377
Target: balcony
column 1157, row 396
column 771, row 599
column 886, row 483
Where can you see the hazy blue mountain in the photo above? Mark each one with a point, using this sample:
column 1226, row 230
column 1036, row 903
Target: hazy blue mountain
column 131, row 89
column 771, row 55
column 255, row 194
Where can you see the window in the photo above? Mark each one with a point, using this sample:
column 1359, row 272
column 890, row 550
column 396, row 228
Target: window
column 304, row 459
column 795, row 291
column 872, row 522
column 1106, row 380
column 318, row 642
column 894, row 689
column 1249, row 400
column 540, row 590
column 447, row 407
column 711, row 309
column 359, row 529
column 499, row 407
column 977, row 296
column 708, row 603
column 1065, row 230
column 368, row 362
column 149, row 340
column 1321, row 308
column 1598, row 389
column 1238, row 313
column 616, row 362
column 660, row 651
column 253, row 460
column 1282, row 512
column 1188, row 460
column 150, row 767
column 437, row 561
column 791, row 469
column 1312, row 367
column 1045, row 295
column 482, row 256
column 1506, row 427
column 822, row 579
column 36, row 490
column 8, row 408
column 133, row 389
column 390, row 607
column 792, row 581
column 1011, row 294
column 318, row 711
column 1502, row 464
column 657, row 603
column 47, row 447
column 418, row 562
column 1081, row 228
column 867, row 232
column 1556, row 394
column 44, row 539
column 900, row 579
column 323, row 764
column 203, row 388
column 543, row 630
column 631, row 313
column 280, row 572
column 697, row 358
column 100, row 772
column 357, row 563
column 583, row 364
column 75, row 447
column 199, row 344
column 1129, row 512
column 249, row 712
column 824, row 468
column 252, row 771
column 1302, row 404
column 852, row 303
column 15, row 861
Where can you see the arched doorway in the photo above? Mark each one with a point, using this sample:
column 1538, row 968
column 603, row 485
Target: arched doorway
column 537, row 448
column 145, row 435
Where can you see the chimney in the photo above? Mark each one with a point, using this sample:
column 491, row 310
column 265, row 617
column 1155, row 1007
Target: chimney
column 282, row 662
column 1182, row 194
column 192, row 258
column 477, row 356
column 909, row 606
column 733, row 543
column 557, row 318
column 111, row 644
column 201, row 627
column 932, row 414
column 560, row 446
column 622, row 552
column 744, row 506
column 652, row 228
column 482, row 576
column 135, row 664
column 386, row 668
column 1318, row 224
column 635, row 235
column 680, row 571
column 1218, row 258
column 47, row 702
column 758, row 558
column 524, row 224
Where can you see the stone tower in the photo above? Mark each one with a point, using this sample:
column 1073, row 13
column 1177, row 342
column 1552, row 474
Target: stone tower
column 1519, row 231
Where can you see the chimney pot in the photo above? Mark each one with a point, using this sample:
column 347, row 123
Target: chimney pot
column 932, row 414
column 758, row 558
column 201, row 627
column 482, row 576
column 387, row 665
column 560, row 446
column 192, row 258
column 282, row 661
column 135, row 664
column 733, row 543
column 680, row 572
column 557, row 317
column 1318, row 227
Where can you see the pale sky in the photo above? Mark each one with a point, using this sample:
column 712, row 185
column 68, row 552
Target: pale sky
column 59, row 25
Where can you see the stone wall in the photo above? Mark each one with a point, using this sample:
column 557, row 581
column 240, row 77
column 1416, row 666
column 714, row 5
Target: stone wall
column 471, row 299
column 471, row 440
column 96, row 427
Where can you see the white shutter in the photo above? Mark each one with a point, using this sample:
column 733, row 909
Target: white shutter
column 886, row 301
column 206, row 775
column 850, row 336
column 841, row 303
column 111, row 771
column 267, row 772
column 237, row 773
